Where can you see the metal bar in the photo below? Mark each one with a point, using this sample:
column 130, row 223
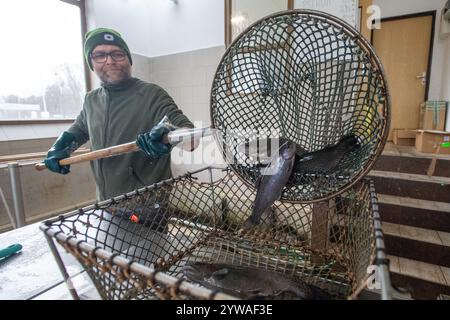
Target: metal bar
column 61, row 267
column 145, row 271
column 16, row 188
column 228, row 30
column 385, row 279
column 290, row 5
column 132, row 193
column 52, row 287
column 210, row 175
column 5, row 203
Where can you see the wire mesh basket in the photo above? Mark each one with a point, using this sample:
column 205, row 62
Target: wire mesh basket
column 137, row 245
column 308, row 77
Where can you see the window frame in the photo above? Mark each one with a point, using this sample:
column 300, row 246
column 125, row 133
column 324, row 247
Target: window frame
column 228, row 41
column 228, row 14
column 81, row 4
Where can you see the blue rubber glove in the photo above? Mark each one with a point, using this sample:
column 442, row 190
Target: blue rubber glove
column 61, row 149
column 151, row 142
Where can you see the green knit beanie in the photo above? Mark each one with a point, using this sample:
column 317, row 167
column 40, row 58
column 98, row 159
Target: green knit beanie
column 100, row 36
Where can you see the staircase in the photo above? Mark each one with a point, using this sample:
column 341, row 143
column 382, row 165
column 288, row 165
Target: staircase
column 415, row 214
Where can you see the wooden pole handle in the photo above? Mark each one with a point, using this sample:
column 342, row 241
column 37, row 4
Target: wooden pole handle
column 173, row 137
column 94, row 155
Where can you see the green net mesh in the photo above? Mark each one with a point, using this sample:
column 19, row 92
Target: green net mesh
column 308, row 77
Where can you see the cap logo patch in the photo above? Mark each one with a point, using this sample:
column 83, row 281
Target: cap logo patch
column 109, row 37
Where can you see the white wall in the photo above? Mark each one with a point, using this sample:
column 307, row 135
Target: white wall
column 160, row 27
column 344, row 9
column 247, row 13
column 439, row 84
column 391, row 8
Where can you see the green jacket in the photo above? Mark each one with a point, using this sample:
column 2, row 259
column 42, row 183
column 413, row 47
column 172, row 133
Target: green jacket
column 113, row 116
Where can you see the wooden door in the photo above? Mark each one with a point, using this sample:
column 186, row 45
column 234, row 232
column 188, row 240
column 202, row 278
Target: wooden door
column 403, row 45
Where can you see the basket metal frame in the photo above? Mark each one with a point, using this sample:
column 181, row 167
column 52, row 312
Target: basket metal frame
column 380, row 263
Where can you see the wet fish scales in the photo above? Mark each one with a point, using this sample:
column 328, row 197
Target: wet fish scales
column 270, row 185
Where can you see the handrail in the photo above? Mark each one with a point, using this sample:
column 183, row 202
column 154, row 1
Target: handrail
column 33, row 155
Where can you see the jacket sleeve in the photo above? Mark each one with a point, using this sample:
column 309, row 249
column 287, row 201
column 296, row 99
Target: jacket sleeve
column 79, row 128
column 166, row 106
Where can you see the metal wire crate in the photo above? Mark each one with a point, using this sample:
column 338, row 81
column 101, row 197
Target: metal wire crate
column 134, row 246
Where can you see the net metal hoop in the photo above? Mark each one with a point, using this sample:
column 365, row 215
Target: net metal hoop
column 273, row 72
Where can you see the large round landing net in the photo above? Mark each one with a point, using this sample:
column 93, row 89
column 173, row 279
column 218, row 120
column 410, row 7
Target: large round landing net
column 308, row 77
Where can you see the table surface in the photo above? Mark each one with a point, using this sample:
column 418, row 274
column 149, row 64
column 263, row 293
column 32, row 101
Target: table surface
column 33, row 271
column 34, row 274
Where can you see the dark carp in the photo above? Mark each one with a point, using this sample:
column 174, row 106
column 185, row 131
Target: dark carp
column 327, row 159
column 152, row 216
column 271, row 182
column 251, row 283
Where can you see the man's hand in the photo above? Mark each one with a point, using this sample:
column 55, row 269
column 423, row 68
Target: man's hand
column 151, row 143
column 61, row 149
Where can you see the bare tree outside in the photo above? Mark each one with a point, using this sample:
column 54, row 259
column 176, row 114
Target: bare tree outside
column 43, row 78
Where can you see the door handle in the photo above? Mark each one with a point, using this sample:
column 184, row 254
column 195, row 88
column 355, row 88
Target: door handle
column 422, row 76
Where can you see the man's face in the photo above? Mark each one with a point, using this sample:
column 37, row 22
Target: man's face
column 111, row 72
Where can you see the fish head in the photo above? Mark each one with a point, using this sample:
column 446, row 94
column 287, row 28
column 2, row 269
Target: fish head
column 288, row 150
column 350, row 142
column 198, row 271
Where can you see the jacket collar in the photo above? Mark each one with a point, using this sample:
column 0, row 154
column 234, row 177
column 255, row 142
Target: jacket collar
column 121, row 86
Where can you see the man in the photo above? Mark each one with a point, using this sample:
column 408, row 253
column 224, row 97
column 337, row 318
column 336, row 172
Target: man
column 122, row 109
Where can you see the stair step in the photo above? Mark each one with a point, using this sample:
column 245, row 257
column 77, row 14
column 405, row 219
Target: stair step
column 418, row 269
column 425, row 280
column 417, row 234
column 391, row 149
column 412, row 165
column 409, row 177
column 427, row 246
column 412, row 186
column 419, row 289
column 431, row 215
column 435, row 206
column 375, row 294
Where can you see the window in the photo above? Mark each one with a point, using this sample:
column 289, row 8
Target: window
column 43, row 72
column 239, row 14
